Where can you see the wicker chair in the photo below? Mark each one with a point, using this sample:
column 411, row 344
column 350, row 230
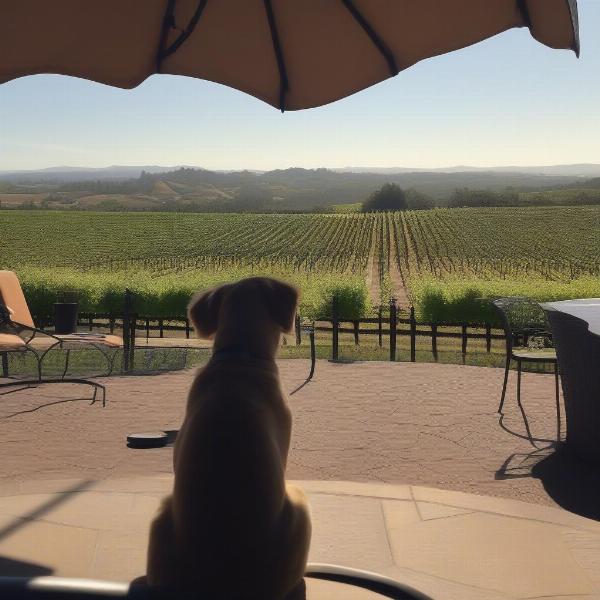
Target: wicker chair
column 524, row 321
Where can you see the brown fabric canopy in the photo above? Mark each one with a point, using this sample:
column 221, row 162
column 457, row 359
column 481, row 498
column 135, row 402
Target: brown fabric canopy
column 292, row 54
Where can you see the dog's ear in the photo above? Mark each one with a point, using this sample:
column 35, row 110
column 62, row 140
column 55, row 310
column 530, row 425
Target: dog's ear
column 282, row 300
column 203, row 311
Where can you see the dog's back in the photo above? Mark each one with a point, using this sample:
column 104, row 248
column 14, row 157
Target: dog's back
column 232, row 528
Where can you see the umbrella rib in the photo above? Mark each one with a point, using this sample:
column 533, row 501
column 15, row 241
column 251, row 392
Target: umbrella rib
column 524, row 10
column 168, row 23
column 283, row 78
column 374, row 36
column 184, row 35
column 572, row 7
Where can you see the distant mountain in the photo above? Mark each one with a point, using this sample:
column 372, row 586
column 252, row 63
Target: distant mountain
column 295, row 189
column 117, row 172
column 575, row 170
column 65, row 173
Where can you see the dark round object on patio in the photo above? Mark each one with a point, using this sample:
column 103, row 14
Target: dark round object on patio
column 154, row 439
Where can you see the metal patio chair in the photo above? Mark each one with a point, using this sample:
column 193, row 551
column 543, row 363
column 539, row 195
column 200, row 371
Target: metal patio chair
column 524, row 320
column 18, row 334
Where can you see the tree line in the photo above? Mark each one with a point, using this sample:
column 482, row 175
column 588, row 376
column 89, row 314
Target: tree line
column 391, row 197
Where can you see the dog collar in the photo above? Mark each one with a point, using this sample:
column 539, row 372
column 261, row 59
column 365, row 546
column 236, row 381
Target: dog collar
column 238, row 352
column 233, row 351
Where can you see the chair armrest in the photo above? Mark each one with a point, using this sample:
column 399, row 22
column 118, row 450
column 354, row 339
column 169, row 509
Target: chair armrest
column 20, row 327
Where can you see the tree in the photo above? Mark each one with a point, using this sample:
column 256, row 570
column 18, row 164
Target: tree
column 389, row 197
column 418, row 201
column 474, row 198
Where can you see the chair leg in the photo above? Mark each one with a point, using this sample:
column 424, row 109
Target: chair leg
column 39, row 367
column 506, row 370
column 98, row 386
column 557, row 402
column 525, row 421
column 66, row 364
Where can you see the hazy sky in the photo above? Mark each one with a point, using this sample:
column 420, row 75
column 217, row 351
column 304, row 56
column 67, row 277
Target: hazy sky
column 506, row 101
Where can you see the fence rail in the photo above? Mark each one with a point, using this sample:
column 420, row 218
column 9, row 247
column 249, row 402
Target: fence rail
column 390, row 327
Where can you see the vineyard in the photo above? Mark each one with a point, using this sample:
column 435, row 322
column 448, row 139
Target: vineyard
column 442, row 261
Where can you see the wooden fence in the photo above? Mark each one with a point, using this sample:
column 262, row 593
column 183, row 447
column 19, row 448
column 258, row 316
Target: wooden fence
column 397, row 326
column 387, row 328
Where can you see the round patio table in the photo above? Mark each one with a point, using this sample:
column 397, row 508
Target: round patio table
column 576, row 332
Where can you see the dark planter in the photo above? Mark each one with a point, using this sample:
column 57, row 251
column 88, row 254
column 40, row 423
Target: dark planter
column 65, row 317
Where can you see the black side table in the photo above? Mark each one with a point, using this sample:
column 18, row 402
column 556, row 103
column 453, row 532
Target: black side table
column 65, row 317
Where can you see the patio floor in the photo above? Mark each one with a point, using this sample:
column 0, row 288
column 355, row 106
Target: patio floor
column 423, row 424
column 449, row 545
column 69, row 482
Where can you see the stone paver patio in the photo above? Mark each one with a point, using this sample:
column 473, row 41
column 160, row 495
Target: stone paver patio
column 449, row 545
column 74, row 500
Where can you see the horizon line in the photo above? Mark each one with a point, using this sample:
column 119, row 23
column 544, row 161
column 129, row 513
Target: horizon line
column 329, row 168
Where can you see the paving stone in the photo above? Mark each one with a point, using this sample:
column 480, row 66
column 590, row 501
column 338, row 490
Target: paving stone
column 120, row 556
column 65, row 551
column 351, row 488
column 428, row 511
column 585, row 549
column 399, row 514
column 503, row 506
column 348, row 531
column 515, row 556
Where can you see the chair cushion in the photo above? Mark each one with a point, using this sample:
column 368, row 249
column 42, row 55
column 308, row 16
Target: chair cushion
column 539, row 355
column 10, row 341
column 12, row 295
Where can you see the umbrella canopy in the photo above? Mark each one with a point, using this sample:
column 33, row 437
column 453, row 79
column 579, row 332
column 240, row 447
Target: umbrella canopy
column 292, row 54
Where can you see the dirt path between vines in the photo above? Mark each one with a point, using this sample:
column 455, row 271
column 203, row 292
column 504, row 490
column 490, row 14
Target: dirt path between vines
column 398, row 287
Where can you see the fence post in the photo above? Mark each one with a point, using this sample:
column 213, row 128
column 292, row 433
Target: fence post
column 187, row 329
column 126, row 329
column 356, row 331
column 393, row 328
column 335, row 324
column 161, row 332
column 5, row 364
column 91, row 321
column 111, row 323
column 132, row 342
column 488, row 337
column 434, row 341
column 413, row 335
column 465, row 339
column 298, row 330
column 380, row 326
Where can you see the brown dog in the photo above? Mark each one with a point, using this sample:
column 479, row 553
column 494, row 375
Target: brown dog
column 232, row 527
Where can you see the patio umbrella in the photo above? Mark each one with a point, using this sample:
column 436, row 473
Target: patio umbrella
column 292, row 54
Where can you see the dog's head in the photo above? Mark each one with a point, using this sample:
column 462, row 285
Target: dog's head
column 277, row 299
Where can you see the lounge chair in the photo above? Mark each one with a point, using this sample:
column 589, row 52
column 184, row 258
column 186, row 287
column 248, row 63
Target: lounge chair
column 18, row 334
